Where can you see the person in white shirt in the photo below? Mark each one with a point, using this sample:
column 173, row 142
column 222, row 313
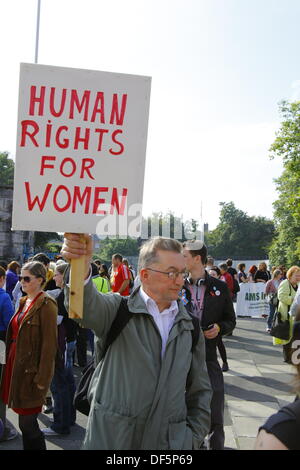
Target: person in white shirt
column 151, row 390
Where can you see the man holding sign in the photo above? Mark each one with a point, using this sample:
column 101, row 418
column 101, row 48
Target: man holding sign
column 151, row 390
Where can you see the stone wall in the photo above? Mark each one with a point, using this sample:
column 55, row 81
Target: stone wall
column 12, row 242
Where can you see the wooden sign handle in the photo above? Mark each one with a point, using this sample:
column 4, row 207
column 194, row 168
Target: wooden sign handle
column 76, row 287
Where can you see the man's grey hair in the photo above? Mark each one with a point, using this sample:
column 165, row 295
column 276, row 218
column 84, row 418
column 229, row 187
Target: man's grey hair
column 148, row 251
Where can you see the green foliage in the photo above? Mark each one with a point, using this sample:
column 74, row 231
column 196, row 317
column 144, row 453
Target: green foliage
column 170, row 225
column 42, row 239
column 126, row 247
column 158, row 224
column 285, row 248
column 239, row 235
column 7, row 167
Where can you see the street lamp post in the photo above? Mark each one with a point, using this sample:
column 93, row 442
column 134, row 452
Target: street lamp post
column 37, row 32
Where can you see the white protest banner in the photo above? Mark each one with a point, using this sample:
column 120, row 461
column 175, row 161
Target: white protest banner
column 252, row 300
column 81, row 146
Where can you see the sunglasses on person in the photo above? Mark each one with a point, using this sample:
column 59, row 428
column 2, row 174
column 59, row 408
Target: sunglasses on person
column 27, row 278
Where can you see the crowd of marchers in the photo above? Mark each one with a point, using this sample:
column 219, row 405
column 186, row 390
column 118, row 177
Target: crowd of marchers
column 160, row 384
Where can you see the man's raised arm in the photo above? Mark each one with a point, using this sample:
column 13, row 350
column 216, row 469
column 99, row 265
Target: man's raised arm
column 77, row 245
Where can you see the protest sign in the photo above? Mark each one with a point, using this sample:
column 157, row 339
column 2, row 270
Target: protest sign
column 81, row 145
column 252, row 300
column 80, row 158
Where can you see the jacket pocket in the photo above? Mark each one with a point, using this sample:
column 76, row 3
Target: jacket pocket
column 111, row 430
column 180, row 436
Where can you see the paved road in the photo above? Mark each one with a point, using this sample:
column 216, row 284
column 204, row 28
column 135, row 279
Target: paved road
column 257, row 384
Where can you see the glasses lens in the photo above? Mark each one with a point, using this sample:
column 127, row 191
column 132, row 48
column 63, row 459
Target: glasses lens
column 25, row 278
column 174, row 275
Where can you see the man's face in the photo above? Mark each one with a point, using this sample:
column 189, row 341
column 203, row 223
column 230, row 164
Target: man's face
column 158, row 285
column 115, row 262
column 192, row 262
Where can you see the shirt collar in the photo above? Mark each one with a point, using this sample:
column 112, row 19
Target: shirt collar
column 148, row 300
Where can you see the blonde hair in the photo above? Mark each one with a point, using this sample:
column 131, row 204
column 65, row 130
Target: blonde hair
column 262, row 266
column 148, row 251
column 292, row 271
column 276, row 273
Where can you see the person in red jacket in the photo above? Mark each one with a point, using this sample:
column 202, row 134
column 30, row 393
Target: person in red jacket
column 226, row 277
column 120, row 276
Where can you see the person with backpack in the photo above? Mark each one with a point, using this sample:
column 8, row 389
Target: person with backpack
column 286, row 294
column 271, row 291
column 281, row 430
column 101, row 283
column 151, row 390
column 230, row 269
column 234, row 274
column 210, row 301
column 215, row 272
column 120, row 276
column 131, row 281
column 226, row 277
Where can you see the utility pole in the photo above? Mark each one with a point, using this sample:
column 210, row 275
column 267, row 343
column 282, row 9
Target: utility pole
column 37, row 32
column 31, row 234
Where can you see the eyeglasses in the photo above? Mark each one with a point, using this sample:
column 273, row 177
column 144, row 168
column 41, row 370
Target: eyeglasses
column 171, row 275
column 26, row 278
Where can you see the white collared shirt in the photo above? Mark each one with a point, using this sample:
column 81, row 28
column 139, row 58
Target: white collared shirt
column 164, row 320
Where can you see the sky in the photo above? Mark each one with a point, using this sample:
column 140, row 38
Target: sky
column 219, row 69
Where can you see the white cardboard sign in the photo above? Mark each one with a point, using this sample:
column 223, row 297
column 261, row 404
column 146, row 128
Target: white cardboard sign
column 252, row 300
column 81, row 146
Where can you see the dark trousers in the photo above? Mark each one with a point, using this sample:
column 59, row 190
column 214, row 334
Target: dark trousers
column 90, row 335
column 222, row 350
column 33, row 438
column 81, row 346
column 287, row 351
column 216, row 434
column 63, row 389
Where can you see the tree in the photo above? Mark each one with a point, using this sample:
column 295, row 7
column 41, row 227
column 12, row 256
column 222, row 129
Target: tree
column 42, row 241
column 240, row 236
column 285, row 248
column 157, row 224
column 7, row 168
column 124, row 246
column 170, row 225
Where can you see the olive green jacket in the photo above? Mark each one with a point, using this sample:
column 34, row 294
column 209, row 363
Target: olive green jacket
column 138, row 399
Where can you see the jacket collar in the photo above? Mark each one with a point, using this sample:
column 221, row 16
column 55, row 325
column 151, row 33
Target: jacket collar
column 136, row 304
column 44, row 298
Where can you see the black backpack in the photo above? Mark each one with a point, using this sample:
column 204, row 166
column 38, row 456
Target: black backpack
column 123, row 316
column 236, row 286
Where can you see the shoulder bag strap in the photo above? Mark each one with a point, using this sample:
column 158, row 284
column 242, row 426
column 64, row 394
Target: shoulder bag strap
column 122, row 318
